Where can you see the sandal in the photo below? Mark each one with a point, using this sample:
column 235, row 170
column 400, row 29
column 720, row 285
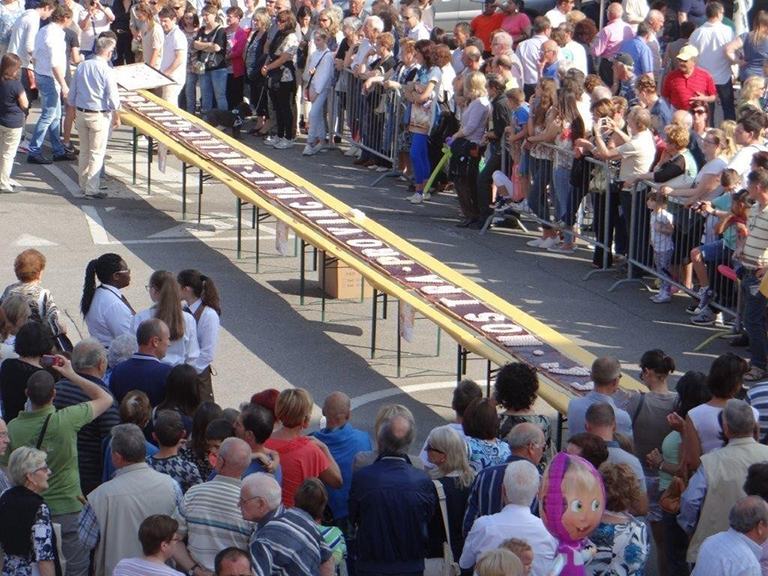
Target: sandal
column 755, row 374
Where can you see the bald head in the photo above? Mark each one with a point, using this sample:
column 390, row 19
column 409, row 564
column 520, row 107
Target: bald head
column 615, row 11
column 550, row 51
column 396, row 435
column 472, row 57
column 336, row 409
column 234, row 457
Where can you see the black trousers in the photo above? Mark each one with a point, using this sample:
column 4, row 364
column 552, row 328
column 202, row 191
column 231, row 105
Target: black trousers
column 727, row 101
column 235, row 87
column 123, row 52
column 606, row 71
column 282, row 99
column 466, row 190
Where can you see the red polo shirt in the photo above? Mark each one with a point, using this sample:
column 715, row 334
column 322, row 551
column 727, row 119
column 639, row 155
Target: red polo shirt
column 678, row 90
column 482, row 26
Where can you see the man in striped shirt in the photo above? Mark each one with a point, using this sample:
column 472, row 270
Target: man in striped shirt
column 754, row 258
column 286, row 542
column 209, row 515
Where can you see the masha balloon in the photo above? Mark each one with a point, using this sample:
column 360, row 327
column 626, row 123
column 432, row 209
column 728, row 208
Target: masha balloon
column 572, row 500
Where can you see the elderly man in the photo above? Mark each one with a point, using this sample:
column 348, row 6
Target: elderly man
column 209, row 516
column 355, row 10
column 529, row 53
column 709, row 39
column 50, row 63
column 486, row 497
column 89, row 360
column 391, row 503
column 232, row 562
column 285, row 541
column 606, row 373
column 521, row 483
column 111, row 518
column 414, row 27
column 688, row 82
column 60, row 443
column 609, row 41
column 144, row 371
column 656, row 21
column 550, row 54
column 502, row 46
column 754, row 257
column 624, row 78
column 718, row 483
column 737, row 550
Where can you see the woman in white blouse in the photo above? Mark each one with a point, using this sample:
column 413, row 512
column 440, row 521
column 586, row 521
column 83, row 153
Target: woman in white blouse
column 105, row 309
column 202, row 300
column 166, row 295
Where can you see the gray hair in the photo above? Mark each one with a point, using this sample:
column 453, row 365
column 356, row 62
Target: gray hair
column 605, row 369
column 264, row 486
column 352, row 22
column 523, row 435
column 128, row 441
column 122, row 348
column 448, row 441
column 601, row 92
column 521, row 482
column 747, row 513
column 104, row 45
column 23, row 461
column 506, row 37
column 376, row 23
column 88, row 353
column 739, row 417
column 391, row 441
column 236, row 453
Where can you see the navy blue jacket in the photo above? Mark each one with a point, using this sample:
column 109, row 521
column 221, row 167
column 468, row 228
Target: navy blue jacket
column 391, row 503
column 140, row 372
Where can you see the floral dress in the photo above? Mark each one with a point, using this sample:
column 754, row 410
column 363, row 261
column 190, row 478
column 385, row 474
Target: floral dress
column 485, row 453
column 622, row 549
column 42, row 546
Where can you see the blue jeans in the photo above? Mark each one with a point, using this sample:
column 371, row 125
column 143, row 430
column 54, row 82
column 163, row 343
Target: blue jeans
column 563, row 200
column 754, row 318
column 190, row 90
column 542, row 180
column 213, row 85
column 50, row 114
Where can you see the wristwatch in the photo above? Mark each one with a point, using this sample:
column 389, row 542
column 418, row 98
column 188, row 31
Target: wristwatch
column 191, row 571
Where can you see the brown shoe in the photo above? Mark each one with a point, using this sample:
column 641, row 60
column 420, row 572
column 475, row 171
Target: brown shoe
column 359, row 162
column 368, row 163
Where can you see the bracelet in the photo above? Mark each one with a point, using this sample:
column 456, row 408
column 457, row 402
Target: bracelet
column 659, row 467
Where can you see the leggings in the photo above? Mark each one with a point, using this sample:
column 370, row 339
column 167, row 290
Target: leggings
column 420, row 158
column 281, row 101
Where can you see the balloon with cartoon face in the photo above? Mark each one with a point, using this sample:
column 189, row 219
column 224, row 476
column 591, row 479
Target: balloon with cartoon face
column 572, row 501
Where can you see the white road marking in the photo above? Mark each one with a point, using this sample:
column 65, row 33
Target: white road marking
column 71, row 186
column 29, row 240
column 381, row 394
column 96, row 226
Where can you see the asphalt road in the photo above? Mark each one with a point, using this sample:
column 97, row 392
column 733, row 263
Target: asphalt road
column 268, row 339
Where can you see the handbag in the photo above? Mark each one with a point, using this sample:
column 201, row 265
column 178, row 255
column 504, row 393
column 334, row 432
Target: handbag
column 445, row 566
column 62, row 341
column 670, row 499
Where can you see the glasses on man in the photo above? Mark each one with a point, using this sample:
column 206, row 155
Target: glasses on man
column 242, row 500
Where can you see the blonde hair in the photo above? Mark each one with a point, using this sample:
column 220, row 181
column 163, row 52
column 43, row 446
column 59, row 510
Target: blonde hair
column 499, row 562
column 447, row 440
column 575, row 16
column 293, row 407
column 677, row 136
column 168, row 305
column 729, row 128
column 333, row 20
column 474, row 85
column 262, row 18
column 752, row 89
column 16, row 310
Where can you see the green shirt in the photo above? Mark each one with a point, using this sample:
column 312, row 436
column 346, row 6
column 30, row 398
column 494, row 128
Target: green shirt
column 60, row 444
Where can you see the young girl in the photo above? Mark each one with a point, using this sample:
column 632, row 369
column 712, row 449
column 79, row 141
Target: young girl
column 522, row 550
column 499, row 562
column 662, row 228
column 515, row 189
column 319, row 75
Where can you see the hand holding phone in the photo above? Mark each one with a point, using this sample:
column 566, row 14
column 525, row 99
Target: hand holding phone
column 49, row 361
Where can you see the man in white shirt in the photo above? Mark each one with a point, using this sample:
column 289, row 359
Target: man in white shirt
column 22, row 44
column 50, row 54
column 174, row 61
column 656, row 21
column 747, row 135
column 709, row 39
column 529, row 52
column 461, row 34
column 521, row 483
column 94, row 94
column 559, row 13
column 415, row 29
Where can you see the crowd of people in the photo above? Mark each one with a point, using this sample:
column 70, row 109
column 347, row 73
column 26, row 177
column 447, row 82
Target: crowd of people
column 116, row 459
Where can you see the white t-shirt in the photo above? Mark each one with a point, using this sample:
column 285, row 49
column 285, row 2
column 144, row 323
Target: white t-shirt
column 741, row 161
column 555, row 17
column 175, row 40
column 99, row 23
column 141, row 567
column 636, row 155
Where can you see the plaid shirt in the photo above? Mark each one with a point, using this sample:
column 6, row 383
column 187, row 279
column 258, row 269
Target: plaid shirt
column 88, row 531
column 4, row 482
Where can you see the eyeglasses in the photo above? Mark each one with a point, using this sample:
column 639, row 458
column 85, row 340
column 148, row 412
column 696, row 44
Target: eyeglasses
column 699, row 111
column 127, row 270
column 148, row 288
column 549, row 50
column 242, row 500
column 4, row 435
column 42, row 468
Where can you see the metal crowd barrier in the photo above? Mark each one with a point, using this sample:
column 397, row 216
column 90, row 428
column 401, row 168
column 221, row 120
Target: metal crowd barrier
column 691, row 230
column 371, row 122
column 591, row 203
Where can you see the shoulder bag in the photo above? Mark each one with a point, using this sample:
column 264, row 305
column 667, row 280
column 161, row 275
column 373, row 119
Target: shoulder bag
column 445, row 566
column 59, row 562
column 62, row 341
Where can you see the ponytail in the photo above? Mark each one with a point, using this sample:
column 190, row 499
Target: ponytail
column 657, row 361
column 202, row 287
column 168, row 307
column 103, row 268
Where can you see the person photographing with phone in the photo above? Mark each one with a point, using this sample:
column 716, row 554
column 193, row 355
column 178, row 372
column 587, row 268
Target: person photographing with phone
column 55, row 433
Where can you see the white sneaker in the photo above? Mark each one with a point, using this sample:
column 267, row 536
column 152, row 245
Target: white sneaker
column 417, row 198
column 307, row 151
column 285, row 144
column 351, row 151
column 381, row 169
column 426, row 195
column 317, row 147
column 271, row 140
column 536, row 243
column 24, row 147
column 549, row 243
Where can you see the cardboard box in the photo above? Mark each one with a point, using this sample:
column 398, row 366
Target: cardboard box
column 341, row 281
